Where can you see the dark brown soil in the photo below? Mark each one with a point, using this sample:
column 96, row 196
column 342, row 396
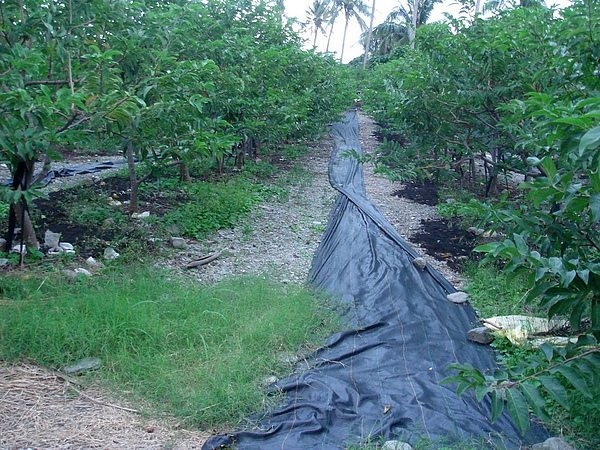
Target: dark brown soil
column 424, row 193
column 92, row 234
column 446, row 240
column 441, row 238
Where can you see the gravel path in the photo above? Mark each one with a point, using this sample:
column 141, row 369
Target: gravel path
column 280, row 239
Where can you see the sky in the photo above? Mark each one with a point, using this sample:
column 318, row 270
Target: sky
column 297, row 8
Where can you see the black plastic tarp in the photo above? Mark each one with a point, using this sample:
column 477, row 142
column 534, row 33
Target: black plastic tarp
column 379, row 379
column 75, row 170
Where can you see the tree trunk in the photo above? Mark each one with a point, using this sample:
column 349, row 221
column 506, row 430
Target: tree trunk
column 413, row 30
column 135, row 184
column 344, row 41
column 22, row 180
column 27, row 229
column 184, row 172
column 329, row 37
column 369, row 35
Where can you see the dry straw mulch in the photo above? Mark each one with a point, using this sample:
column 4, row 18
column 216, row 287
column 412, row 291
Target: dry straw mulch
column 40, row 409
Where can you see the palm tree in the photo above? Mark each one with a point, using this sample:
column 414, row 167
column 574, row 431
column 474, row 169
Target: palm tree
column 318, row 14
column 424, row 9
column 352, row 10
column 369, row 35
column 387, row 36
column 414, row 19
column 334, row 12
column 396, row 28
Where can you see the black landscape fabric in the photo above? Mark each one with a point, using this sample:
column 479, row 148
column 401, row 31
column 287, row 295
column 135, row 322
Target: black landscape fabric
column 378, row 380
column 76, row 170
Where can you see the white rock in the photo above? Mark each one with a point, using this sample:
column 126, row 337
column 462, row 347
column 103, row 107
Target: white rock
column 51, row 240
column 178, row 243
column 110, row 254
column 70, row 273
column 3, row 262
column 419, row 263
column 141, row 215
column 67, row 247
column 83, row 271
column 19, row 249
column 92, row 262
column 458, row 297
column 395, row 445
column 554, row 443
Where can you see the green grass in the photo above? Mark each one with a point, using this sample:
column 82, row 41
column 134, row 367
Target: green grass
column 4, row 208
column 212, row 206
column 493, row 293
column 201, row 353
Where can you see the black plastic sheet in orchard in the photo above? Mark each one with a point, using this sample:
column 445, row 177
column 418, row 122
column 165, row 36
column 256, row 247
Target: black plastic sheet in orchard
column 379, row 379
column 80, row 169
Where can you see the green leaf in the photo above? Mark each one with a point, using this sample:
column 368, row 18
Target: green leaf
column 555, row 389
column 481, row 390
column 497, row 404
column 595, row 206
column 463, row 386
column 535, row 400
column 518, row 409
column 576, row 121
column 521, row 244
column 486, row 248
column 452, row 379
column 547, row 350
column 575, row 378
column 549, row 167
column 589, row 139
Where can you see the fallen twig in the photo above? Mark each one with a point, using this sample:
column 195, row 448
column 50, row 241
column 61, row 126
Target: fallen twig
column 203, row 261
column 100, row 402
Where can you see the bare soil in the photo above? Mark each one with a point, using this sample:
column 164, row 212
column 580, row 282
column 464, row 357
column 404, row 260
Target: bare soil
column 45, row 410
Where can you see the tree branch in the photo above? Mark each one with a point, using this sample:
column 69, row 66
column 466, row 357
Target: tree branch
column 548, row 369
column 52, row 82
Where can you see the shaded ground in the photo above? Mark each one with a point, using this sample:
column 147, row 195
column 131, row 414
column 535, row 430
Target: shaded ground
column 445, row 240
column 92, row 216
column 424, row 193
column 440, row 237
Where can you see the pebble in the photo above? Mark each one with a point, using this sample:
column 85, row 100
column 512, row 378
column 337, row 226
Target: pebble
column 83, row 271
column 554, row 443
column 396, row 445
column 110, row 254
column 420, row 263
column 480, row 335
column 458, row 297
